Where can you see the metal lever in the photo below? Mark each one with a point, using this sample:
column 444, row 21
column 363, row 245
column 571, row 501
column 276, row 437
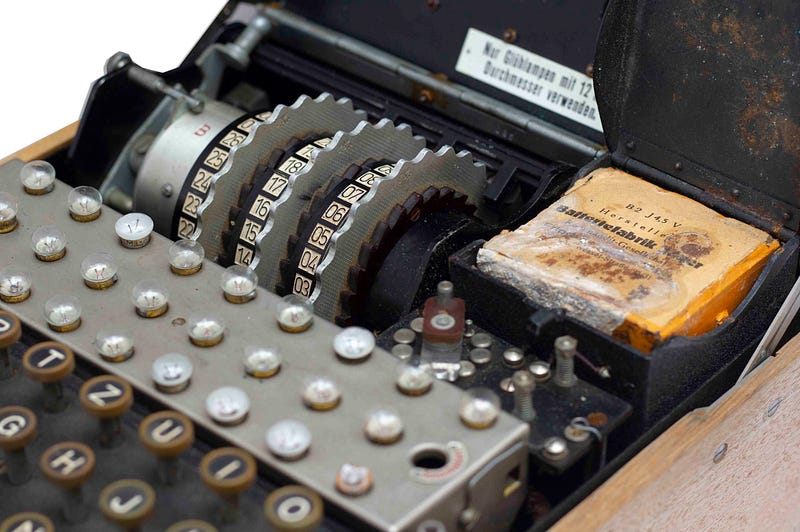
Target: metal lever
column 238, row 52
column 152, row 81
column 775, row 331
column 216, row 58
column 212, row 62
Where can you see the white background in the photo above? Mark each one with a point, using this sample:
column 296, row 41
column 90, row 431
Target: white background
column 51, row 50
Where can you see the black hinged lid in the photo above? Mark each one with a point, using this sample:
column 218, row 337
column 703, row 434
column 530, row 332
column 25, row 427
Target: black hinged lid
column 708, row 92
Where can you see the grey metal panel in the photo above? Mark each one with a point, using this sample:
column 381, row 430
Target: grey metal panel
column 397, row 501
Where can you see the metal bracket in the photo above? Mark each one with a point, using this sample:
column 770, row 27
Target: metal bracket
column 775, row 331
column 495, row 475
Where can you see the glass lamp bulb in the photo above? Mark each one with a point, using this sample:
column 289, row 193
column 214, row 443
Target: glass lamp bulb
column 99, row 270
column 294, row 313
column 49, row 243
column 186, row 257
column 479, row 408
column 151, row 298
column 321, row 393
column 354, row 480
column 63, row 313
column 114, row 345
column 134, row 230
column 262, row 362
column 228, row 405
column 288, row 439
column 8, row 212
column 383, row 425
column 84, row 203
column 172, row 372
column 239, row 283
column 15, row 286
column 205, row 330
column 414, row 379
column 38, row 177
column 354, row 344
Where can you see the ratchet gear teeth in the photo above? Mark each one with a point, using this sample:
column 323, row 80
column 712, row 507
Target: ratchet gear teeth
column 386, row 234
column 351, row 226
column 306, row 116
column 367, row 142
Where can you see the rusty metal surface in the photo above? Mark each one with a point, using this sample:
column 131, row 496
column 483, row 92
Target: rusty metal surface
column 707, row 91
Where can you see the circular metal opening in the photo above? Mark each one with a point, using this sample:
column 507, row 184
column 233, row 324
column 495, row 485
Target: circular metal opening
column 430, row 458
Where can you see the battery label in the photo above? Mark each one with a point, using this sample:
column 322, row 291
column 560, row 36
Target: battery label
column 529, row 76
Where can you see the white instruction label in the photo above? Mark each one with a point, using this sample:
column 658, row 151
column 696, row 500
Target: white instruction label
column 529, row 76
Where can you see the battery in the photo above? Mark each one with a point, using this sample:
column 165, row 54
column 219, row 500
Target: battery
column 631, row 259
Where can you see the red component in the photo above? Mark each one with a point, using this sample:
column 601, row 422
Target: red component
column 444, row 323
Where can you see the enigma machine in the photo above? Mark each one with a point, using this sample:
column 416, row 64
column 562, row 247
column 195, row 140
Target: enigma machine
column 420, row 265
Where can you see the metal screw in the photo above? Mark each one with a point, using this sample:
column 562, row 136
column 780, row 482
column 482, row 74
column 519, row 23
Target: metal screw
column 565, row 347
column 142, row 144
column 524, row 384
column 555, row 448
column 540, row 370
column 425, row 96
column 483, row 340
column 678, row 166
column 736, row 192
column 467, row 369
column 404, row 336
column 468, row 518
column 773, row 407
column 630, row 145
column 514, row 357
column 719, row 454
column 576, row 434
column 469, row 328
column 166, row 191
column 403, row 351
column 480, row 356
column 507, row 385
column 510, row 35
